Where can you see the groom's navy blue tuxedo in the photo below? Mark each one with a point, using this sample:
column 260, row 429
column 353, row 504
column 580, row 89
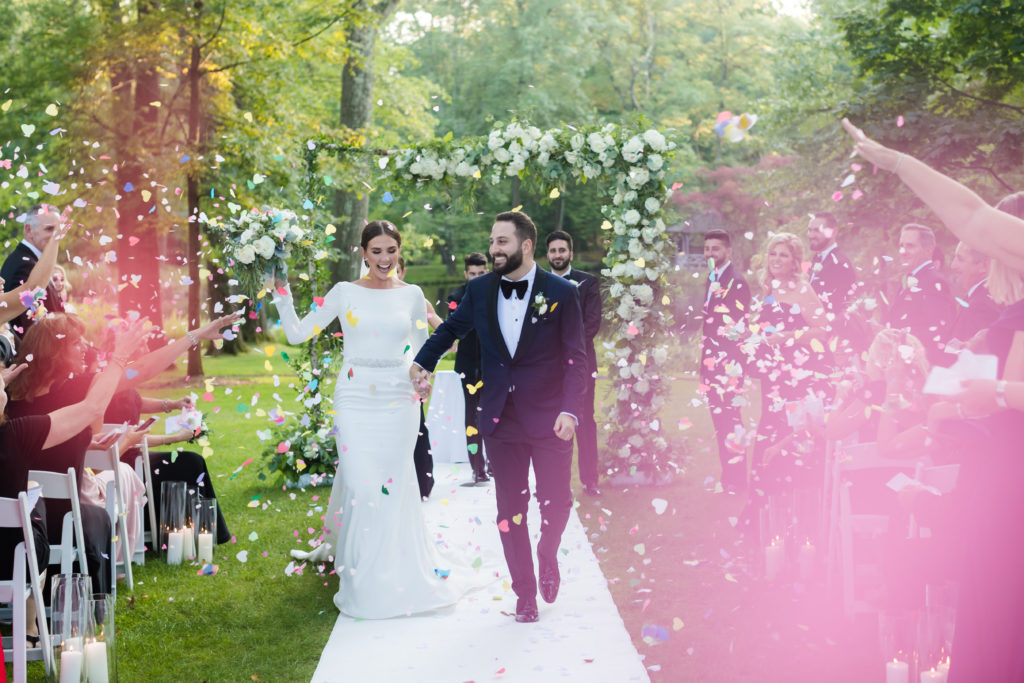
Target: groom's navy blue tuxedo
column 550, row 365
column 523, row 394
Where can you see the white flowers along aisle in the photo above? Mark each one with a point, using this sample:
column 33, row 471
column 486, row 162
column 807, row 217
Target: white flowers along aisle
column 631, row 164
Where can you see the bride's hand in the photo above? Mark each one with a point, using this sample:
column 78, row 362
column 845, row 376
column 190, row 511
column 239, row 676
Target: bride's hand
column 420, row 380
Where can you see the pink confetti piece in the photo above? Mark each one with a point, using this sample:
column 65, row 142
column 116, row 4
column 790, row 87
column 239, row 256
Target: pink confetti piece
column 837, row 195
column 899, row 121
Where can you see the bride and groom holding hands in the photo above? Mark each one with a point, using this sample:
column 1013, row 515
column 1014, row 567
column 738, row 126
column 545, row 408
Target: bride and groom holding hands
column 533, row 363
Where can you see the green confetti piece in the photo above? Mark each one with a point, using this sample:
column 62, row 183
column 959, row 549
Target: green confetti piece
column 407, row 347
column 285, row 355
column 384, row 490
column 478, row 562
column 242, row 408
column 472, row 448
column 254, row 536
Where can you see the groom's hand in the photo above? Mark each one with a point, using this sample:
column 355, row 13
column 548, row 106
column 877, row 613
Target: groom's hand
column 565, row 427
column 420, row 380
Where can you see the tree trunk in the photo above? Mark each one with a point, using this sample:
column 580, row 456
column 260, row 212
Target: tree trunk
column 195, row 354
column 351, row 208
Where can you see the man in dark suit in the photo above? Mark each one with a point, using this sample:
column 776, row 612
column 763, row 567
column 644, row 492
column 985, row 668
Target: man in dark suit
column 533, row 366
column 832, row 276
column 560, row 259
column 41, row 222
column 467, row 365
column 726, row 304
column 975, row 309
column 924, row 302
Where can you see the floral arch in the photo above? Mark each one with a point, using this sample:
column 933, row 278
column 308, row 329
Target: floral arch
column 631, row 165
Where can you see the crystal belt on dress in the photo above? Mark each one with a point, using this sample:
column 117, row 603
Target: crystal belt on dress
column 376, row 362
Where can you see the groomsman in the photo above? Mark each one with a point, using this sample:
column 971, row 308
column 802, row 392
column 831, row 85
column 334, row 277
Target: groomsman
column 41, row 222
column 832, row 275
column 467, row 364
column 533, row 365
column 975, row 308
column 726, row 303
column 560, row 259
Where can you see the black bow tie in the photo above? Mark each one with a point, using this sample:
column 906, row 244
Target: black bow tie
column 519, row 287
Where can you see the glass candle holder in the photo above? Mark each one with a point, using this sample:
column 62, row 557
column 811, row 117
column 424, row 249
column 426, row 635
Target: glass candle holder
column 206, row 529
column 68, row 624
column 99, row 647
column 172, row 520
column 897, row 634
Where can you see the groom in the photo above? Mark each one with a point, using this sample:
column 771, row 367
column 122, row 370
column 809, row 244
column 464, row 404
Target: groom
column 534, row 379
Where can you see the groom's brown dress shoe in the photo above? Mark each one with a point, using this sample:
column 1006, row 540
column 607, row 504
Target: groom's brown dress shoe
column 549, row 580
column 526, row 610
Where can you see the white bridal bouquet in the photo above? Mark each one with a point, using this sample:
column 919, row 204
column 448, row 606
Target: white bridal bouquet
column 258, row 243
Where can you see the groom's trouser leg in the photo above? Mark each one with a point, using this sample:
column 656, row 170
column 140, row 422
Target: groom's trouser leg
column 510, row 462
column 552, row 467
column 476, row 455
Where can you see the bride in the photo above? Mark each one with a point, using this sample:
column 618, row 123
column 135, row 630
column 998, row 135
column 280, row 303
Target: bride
column 374, row 527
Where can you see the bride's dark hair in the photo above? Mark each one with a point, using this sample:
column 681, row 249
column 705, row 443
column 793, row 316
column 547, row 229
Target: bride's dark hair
column 378, row 228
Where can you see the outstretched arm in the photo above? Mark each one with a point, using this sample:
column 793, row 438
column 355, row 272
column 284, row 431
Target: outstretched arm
column 993, row 232
column 320, row 317
column 39, row 276
column 457, row 326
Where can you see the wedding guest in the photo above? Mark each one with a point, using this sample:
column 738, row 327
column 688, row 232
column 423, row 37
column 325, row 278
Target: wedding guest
column 56, row 437
column 467, row 365
column 43, row 232
column 832, row 275
column 560, row 255
column 421, row 455
column 975, row 308
column 923, row 302
column 726, row 305
column 63, row 287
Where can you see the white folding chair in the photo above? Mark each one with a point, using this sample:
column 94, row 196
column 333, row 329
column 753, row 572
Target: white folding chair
column 858, row 458
column 64, row 486
column 145, row 472
column 108, row 459
column 14, row 513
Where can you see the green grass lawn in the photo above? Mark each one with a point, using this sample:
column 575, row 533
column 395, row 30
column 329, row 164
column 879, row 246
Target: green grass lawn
column 252, row 622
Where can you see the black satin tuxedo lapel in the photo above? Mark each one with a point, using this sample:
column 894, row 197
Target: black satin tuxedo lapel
column 529, row 324
column 492, row 315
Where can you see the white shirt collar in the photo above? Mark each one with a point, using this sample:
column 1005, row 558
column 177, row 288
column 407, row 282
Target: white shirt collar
column 33, row 249
column 824, row 254
column 916, row 270
column 718, row 271
column 979, row 283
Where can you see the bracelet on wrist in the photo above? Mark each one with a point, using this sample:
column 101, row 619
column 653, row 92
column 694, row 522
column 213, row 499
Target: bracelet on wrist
column 193, row 340
column 166, row 409
column 1001, row 394
column 120, row 360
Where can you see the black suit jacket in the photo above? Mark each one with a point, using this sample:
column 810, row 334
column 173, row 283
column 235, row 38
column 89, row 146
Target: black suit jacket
column 727, row 305
column 15, row 271
column 547, row 373
column 925, row 305
column 590, row 301
column 980, row 312
column 833, row 279
column 467, row 356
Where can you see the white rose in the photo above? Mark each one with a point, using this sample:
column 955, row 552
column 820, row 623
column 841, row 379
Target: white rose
column 547, row 143
column 631, row 217
column 597, row 142
column 616, row 290
column 591, row 172
column 633, row 149
column 624, row 311
column 543, row 158
column 495, row 141
column 245, row 236
column 416, row 167
column 630, row 196
column 643, row 293
column 638, row 177
column 655, row 162
column 501, row 155
column 656, row 140
column 660, row 355
column 265, row 246
column 571, row 157
column 652, row 205
column 514, row 130
column 515, row 167
column 619, row 228
column 464, row 169
column 515, row 148
column 576, row 142
column 279, row 230
column 618, row 270
column 246, row 254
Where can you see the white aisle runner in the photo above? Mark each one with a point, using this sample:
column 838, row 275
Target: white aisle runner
column 578, row 638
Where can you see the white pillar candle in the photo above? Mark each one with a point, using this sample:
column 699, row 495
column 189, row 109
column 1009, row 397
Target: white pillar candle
column 774, row 559
column 807, row 554
column 205, row 548
column 932, row 676
column 71, row 666
column 175, row 544
column 96, row 663
column 188, row 548
column 943, row 668
column 897, row 672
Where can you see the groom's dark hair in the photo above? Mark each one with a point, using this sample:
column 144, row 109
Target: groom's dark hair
column 525, row 229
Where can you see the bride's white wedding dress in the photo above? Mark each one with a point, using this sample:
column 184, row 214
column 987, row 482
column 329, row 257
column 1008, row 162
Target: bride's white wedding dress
column 385, row 563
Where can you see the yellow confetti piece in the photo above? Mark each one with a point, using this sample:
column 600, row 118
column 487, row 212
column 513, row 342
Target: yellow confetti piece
column 420, row 325
column 267, row 366
column 518, row 208
column 554, row 306
column 817, row 346
column 352, row 320
column 303, row 276
column 444, row 501
column 606, row 225
column 269, row 350
column 428, row 243
column 155, row 103
column 473, row 388
column 51, row 110
column 146, row 194
column 730, row 577
column 471, row 430
column 207, row 451
column 406, row 214
column 665, row 301
column 518, row 519
column 330, row 229
column 677, row 624
column 643, row 358
column 640, row 263
column 6, row 105
column 247, row 116
column 554, row 193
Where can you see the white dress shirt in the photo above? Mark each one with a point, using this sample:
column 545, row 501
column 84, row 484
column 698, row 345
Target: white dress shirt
column 512, row 312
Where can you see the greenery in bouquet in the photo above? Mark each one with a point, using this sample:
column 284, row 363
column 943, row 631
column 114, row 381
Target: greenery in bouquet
column 194, row 419
column 303, row 442
column 258, row 244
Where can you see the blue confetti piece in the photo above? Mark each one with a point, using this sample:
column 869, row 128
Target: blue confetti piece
column 387, row 198
column 307, row 205
column 962, row 302
column 128, row 187
column 770, row 299
column 185, row 158
column 211, row 193
column 152, row 208
column 443, row 573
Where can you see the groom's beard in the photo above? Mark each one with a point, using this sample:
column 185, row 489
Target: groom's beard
column 512, row 261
